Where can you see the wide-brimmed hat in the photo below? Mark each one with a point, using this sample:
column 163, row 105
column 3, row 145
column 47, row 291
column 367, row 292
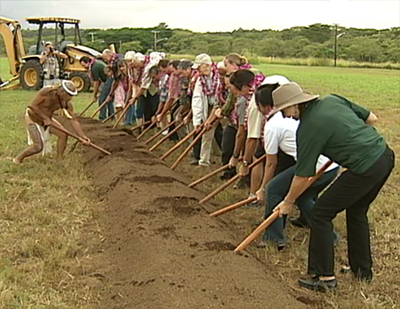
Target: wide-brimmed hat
column 201, row 59
column 69, row 87
column 290, row 94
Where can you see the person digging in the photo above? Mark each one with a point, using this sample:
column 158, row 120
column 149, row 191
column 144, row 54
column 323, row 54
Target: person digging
column 344, row 132
column 40, row 123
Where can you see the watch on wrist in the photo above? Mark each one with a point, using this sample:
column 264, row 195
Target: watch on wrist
column 245, row 163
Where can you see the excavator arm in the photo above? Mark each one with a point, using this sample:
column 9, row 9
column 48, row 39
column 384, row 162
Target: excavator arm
column 10, row 30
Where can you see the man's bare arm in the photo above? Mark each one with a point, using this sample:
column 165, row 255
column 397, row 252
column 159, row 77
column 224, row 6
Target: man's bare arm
column 74, row 122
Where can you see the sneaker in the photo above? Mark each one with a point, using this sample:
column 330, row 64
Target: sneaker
column 255, row 203
column 298, row 223
column 194, row 162
column 205, row 164
column 242, row 183
column 316, row 284
column 227, row 175
column 165, row 133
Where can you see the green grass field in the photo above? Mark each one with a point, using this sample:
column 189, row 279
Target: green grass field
column 46, row 206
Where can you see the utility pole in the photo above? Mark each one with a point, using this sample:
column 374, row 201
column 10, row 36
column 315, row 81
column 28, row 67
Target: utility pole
column 155, row 38
column 335, row 47
column 92, row 35
column 336, row 44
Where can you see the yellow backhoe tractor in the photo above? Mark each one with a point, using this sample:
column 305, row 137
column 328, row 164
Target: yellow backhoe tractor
column 26, row 67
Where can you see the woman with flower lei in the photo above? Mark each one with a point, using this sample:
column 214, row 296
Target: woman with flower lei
column 147, row 94
column 244, row 83
column 205, row 103
column 230, row 108
column 133, row 88
column 174, row 89
column 119, row 92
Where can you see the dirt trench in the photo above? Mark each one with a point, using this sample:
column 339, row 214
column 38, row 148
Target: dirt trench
column 160, row 249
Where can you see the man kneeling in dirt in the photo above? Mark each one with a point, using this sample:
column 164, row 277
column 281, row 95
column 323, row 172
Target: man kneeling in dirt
column 39, row 118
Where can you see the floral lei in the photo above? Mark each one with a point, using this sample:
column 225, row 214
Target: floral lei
column 192, row 81
column 90, row 66
column 246, row 66
column 215, row 78
column 136, row 79
column 222, row 94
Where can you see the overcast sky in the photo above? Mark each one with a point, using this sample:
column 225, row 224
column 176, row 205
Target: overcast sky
column 205, row 16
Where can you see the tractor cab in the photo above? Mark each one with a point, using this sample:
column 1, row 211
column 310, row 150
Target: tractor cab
column 59, row 39
column 64, row 33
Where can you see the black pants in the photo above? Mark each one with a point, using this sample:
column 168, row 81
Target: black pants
column 174, row 136
column 197, row 148
column 353, row 193
column 228, row 146
column 150, row 105
column 218, row 135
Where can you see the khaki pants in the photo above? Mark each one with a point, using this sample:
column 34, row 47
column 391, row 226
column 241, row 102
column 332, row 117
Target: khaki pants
column 206, row 145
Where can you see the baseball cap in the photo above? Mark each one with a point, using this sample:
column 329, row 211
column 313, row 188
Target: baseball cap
column 201, row 59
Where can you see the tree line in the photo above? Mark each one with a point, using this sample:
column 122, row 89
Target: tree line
column 316, row 41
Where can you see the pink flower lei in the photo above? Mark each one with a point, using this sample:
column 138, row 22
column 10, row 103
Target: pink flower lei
column 246, row 66
column 136, row 79
column 90, row 66
column 215, row 78
column 222, row 95
column 192, row 81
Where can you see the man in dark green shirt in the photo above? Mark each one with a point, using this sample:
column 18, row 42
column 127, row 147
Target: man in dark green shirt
column 342, row 131
column 101, row 84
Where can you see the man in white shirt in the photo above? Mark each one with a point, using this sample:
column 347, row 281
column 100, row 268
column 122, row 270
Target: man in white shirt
column 280, row 133
column 204, row 104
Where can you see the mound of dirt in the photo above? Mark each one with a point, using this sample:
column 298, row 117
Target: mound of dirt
column 161, row 249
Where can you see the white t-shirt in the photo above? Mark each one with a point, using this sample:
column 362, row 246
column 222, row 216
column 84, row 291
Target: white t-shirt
column 255, row 118
column 280, row 132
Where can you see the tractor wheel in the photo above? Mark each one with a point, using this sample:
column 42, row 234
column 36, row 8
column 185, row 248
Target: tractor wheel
column 81, row 81
column 31, row 75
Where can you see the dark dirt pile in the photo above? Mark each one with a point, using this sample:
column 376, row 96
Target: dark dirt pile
column 161, row 249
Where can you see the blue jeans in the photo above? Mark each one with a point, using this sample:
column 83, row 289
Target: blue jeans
column 276, row 191
column 130, row 115
column 109, row 107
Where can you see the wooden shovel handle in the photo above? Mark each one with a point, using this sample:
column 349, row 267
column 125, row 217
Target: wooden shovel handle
column 166, row 137
column 233, row 206
column 204, row 178
column 229, row 182
column 110, row 117
column 186, row 151
column 159, row 133
column 99, row 108
column 124, row 111
column 184, row 140
column 140, row 125
column 257, row 232
column 275, row 215
column 152, row 124
column 80, row 139
column 86, row 108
